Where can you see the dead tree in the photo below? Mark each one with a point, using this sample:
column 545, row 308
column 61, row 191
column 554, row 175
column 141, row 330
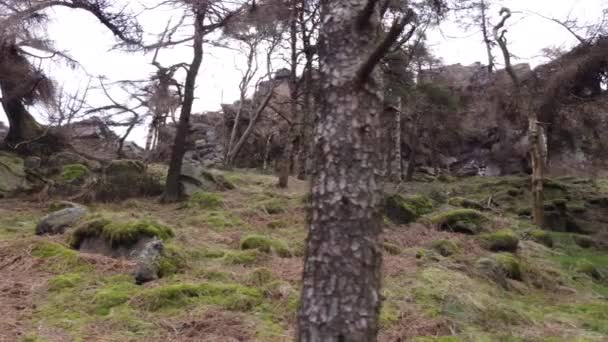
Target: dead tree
column 262, row 100
column 341, row 281
column 251, row 44
column 535, row 134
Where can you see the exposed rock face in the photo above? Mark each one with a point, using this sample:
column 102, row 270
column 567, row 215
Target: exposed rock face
column 13, row 177
column 59, row 221
column 210, row 132
column 123, row 179
column 492, row 137
column 93, row 137
column 195, row 178
column 147, row 267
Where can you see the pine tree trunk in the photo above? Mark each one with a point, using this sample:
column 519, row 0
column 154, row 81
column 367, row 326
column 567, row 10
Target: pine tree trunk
column 341, row 282
column 173, row 191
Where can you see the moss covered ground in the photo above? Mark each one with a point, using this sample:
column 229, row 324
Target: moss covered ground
column 233, row 261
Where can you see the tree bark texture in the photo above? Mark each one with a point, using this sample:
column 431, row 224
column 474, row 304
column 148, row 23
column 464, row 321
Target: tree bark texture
column 341, row 281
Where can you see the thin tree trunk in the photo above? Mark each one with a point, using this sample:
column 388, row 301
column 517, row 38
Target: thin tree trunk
column 252, row 121
column 286, row 158
column 534, row 133
column 267, row 152
column 411, row 165
column 486, row 36
column 341, row 283
column 537, row 170
column 173, row 191
column 397, row 172
column 235, row 126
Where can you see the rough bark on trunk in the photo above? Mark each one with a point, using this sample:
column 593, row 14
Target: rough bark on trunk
column 173, row 191
column 341, row 281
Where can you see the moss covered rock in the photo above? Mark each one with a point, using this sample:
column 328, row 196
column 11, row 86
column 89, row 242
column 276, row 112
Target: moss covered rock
column 465, row 203
column 123, row 179
column 12, row 174
column 445, row 247
column 466, row 221
column 74, row 173
column 404, row 210
column 541, row 236
column 500, row 241
column 266, row 245
column 117, row 239
column 500, row 267
column 589, row 269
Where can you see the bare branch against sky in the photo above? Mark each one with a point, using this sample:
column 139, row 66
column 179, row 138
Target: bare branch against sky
column 218, row 75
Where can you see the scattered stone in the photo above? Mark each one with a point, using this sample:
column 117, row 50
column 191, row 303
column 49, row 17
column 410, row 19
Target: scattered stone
column 58, row 221
column 147, row 265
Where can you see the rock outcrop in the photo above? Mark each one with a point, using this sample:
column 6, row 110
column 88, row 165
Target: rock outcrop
column 58, row 221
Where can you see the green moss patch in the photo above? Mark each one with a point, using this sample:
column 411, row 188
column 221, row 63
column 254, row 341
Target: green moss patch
column 266, row 245
column 541, row 236
column 74, row 172
column 467, row 221
column 59, row 258
column 465, row 203
column 510, row 265
column 588, row 268
column 500, row 241
column 119, row 234
column 404, row 210
column 445, row 247
column 228, row 296
column 205, row 200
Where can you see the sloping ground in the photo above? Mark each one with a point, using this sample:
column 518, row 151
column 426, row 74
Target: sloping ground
column 236, row 262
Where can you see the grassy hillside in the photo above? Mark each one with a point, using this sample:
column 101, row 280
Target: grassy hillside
column 233, row 266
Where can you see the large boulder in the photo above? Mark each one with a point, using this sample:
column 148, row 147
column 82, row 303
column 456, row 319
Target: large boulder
column 12, row 174
column 117, row 239
column 195, row 178
column 58, row 160
column 123, row 179
column 57, row 222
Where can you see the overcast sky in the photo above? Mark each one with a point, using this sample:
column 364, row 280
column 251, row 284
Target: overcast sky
column 89, row 42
